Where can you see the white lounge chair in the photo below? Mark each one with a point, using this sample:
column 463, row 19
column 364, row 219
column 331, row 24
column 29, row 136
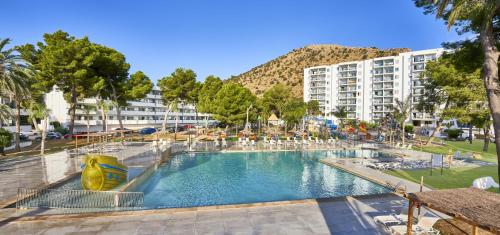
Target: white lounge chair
column 484, row 183
column 252, row 142
column 394, row 219
column 424, row 226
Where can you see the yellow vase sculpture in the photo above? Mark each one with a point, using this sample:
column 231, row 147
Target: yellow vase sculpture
column 102, row 173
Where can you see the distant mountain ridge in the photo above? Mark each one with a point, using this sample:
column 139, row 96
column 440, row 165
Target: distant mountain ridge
column 289, row 68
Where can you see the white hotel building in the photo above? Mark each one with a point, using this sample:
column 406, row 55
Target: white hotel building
column 148, row 112
column 369, row 88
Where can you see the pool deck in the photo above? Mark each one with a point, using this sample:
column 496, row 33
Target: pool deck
column 346, row 215
column 372, row 174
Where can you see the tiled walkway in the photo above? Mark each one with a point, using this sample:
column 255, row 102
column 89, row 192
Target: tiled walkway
column 343, row 216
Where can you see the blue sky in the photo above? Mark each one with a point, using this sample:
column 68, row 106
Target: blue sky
column 222, row 37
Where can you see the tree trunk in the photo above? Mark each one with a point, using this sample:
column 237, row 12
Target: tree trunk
column 470, row 133
column 491, row 82
column 18, row 127
column 101, row 110
column 403, row 133
column 44, row 130
column 119, row 116
column 197, row 123
column 35, row 124
column 165, row 117
column 118, row 111
column 176, row 124
column 438, row 125
column 104, row 121
column 88, row 130
column 72, row 110
column 486, row 138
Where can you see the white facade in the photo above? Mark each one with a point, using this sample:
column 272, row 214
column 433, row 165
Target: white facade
column 369, row 88
column 148, row 112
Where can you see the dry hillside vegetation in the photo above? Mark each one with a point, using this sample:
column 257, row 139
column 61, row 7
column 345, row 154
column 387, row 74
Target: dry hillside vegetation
column 288, row 69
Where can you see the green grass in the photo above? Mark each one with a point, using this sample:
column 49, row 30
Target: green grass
column 463, row 146
column 452, row 178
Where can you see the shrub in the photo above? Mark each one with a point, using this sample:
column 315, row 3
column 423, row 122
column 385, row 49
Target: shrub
column 409, row 129
column 5, row 139
column 453, row 133
column 55, row 124
column 61, row 130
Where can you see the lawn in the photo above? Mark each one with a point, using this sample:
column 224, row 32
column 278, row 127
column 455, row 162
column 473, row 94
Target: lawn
column 452, row 178
column 463, row 146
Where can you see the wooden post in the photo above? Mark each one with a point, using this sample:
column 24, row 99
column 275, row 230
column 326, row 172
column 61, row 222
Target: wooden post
column 474, row 230
column 409, row 226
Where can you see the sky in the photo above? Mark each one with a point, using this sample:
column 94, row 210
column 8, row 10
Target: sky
column 222, row 37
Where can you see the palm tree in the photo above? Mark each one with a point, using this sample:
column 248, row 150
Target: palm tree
column 340, row 113
column 14, row 75
column 39, row 111
column 401, row 112
column 5, row 113
column 480, row 17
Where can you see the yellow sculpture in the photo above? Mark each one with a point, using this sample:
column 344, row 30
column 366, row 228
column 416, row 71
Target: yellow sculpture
column 102, row 173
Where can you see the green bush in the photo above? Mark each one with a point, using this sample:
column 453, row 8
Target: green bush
column 5, row 139
column 453, row 133
column 409, row 129
column 61, row 130
column 56, row 124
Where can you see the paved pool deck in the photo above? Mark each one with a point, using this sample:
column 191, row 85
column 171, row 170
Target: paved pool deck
column 37, row 172
column 348, row 215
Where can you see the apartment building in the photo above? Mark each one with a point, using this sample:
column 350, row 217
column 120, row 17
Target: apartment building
column 368, row 89
column 148, row 112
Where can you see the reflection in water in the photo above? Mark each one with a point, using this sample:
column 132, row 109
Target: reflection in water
column 246, row 177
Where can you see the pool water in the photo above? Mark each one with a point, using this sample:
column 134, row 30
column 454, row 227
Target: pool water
column 203, row 179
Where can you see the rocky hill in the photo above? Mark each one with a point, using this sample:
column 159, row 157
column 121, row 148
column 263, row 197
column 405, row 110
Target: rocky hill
column 289, row 68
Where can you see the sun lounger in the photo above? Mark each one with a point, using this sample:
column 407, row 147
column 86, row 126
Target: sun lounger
column 424, row 226
column 393, row 219
column 252, row 142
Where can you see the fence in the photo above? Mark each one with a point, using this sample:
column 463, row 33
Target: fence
column 56, row 198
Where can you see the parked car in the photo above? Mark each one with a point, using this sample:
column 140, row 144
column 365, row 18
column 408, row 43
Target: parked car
column 147, row 131
column 23, row 137
column 126, row 130
column 53, row 135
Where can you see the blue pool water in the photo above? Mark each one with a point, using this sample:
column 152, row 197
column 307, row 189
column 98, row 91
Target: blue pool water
column 203, row 179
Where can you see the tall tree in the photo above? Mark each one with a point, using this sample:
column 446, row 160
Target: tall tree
column 14, row 82
column 176, row 89
column 313, row 107
column 294, row 111
column 207, row 93
column 481, row 17
column 340, row 112
column 231, row 103
column 276, row 97
column 449, row 91
column 65, row 61
column 401, row 112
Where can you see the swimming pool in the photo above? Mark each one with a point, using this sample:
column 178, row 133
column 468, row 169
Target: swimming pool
column 202, row 179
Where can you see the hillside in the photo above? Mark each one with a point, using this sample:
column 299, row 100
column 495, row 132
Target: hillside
column 289, row 68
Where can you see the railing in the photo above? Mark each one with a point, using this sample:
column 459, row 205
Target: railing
column 80, row 199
